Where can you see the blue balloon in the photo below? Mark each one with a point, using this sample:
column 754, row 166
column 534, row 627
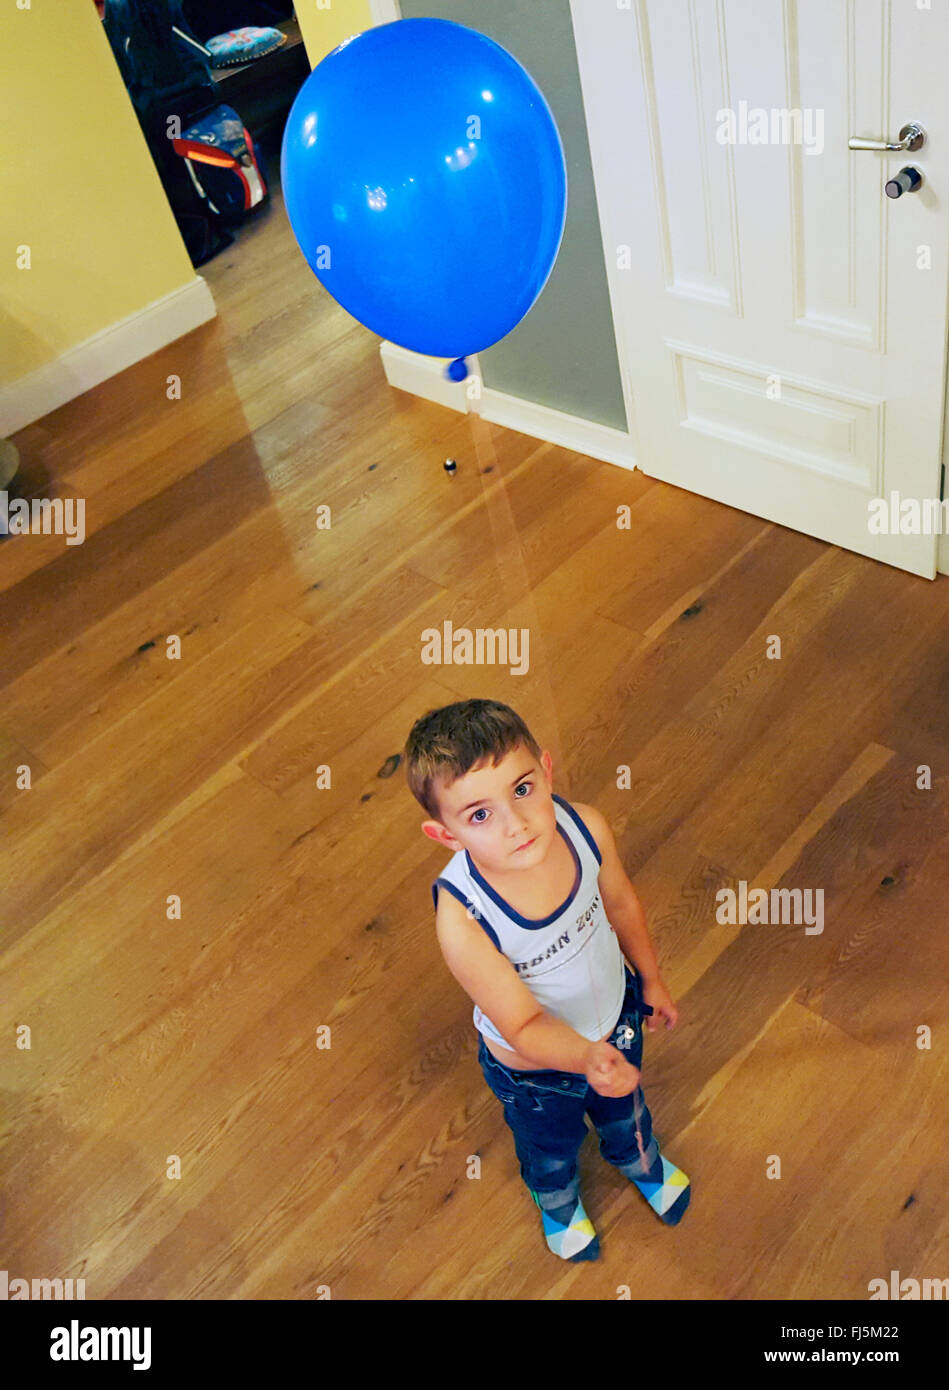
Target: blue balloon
column 424, row 179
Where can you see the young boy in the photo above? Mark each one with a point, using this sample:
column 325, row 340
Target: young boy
column 530, row 913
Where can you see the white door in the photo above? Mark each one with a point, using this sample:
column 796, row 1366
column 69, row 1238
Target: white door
column 781, row 322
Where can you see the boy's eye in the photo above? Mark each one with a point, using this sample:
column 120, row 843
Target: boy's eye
column 521, row 786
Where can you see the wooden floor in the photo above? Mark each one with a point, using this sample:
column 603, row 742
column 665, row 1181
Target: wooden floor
column 152, row 1035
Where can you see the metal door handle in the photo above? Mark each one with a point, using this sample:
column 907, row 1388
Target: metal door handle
column 911, row 138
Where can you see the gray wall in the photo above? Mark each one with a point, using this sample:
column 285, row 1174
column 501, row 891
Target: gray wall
column 563, row 354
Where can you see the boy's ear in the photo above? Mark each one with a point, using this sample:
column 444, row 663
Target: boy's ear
column 436, row 831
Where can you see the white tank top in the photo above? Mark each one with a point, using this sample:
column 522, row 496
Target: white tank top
column 570, row 961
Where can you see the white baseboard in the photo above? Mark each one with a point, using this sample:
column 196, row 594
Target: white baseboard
column 425, row 376
column 104, row 355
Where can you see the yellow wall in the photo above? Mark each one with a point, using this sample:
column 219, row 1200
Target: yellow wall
column 80, row 190
column 324, row 29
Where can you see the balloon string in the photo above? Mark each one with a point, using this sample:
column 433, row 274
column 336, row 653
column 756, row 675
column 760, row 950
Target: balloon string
column 515, row 584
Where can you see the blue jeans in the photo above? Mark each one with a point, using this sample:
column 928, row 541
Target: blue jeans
column 545, row 1112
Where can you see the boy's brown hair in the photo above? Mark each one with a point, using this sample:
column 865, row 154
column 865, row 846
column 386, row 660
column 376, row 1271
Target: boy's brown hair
column 446, row 743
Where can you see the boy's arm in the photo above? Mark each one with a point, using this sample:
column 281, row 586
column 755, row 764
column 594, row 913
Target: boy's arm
column 490, row 980
column 623, row 909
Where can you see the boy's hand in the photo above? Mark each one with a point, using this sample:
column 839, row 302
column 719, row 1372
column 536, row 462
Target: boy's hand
column 656, row 995
column 608, row 1071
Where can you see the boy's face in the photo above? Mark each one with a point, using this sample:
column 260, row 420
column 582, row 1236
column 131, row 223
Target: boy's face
column 493, row 811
